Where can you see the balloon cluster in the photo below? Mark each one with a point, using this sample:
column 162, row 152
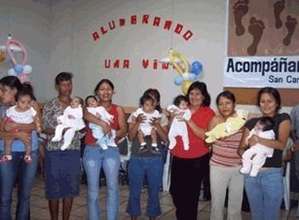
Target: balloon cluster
column 187, row 74
column 20, row 68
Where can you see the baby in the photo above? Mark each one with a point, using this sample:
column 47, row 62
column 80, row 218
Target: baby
column 21, row 113
column 71, row 120
column 148, row 112
column 179, row 127
column 104, row 140
column 254, row 158
column 231, row 126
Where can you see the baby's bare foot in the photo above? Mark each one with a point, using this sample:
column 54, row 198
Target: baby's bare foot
column 256, row 29
column 278, row 6
column 240, row 9
column 290, row 24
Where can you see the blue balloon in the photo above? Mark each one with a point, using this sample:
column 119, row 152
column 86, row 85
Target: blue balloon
column 192, row 76
column 196, row 67
column 18, row 68
column 178, row 80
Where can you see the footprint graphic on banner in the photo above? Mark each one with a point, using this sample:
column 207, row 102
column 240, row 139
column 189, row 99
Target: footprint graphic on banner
column 278, row 7
column 290, row 24
column 240, row 9
column 256, row 29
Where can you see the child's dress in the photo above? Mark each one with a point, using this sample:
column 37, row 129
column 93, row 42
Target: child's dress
column 255, row 157
column 179, row 128
column 146, row 126
column 72, row 120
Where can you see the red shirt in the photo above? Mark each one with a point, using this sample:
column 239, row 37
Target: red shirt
column 198, row 147
column 89, row 139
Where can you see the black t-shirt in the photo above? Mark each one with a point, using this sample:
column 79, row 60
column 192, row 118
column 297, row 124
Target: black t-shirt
column 276, row 159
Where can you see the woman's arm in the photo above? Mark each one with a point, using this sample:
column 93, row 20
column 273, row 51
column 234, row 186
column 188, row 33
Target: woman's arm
column 123, row 129
column 283, row 134
column 134, row 125
column 199, row 132
column 243, row 145
column 94, row 119
column 21, row 127
column 161, row 130
column 213, row 123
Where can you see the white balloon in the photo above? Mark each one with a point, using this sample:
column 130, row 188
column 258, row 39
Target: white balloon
column 27, row 69
column 12, row 72
column 185, row 76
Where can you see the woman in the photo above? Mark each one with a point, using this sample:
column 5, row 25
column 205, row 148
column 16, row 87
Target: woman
column 265, row 191
column 146, row 163
column 62, row 168
column 17, row 167
column 95, row 157
column 188, row 167
column 225, row 164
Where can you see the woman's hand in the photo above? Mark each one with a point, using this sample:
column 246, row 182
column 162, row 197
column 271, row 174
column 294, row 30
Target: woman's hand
column 106, row 127
column 9, row 126
column 180, row 117
column 155, row 122
column 139, row 119
column 253, row 140
column 71, row 117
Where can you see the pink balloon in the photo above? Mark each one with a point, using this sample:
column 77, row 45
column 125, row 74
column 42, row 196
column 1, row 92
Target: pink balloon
column 10, row 53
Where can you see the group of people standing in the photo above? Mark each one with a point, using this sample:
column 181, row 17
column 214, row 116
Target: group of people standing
column 62, row 168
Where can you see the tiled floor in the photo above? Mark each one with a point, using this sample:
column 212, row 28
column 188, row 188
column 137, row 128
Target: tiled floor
column 39, row 205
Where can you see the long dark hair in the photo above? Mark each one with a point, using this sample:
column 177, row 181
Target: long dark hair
column 101, row 82
column 202, row 87
column 12, row 82
column 226, row 94
column 272, row 91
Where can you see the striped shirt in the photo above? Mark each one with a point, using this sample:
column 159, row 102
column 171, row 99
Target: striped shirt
column 224, row 152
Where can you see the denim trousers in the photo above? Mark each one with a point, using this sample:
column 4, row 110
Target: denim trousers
column 24, row 173
column 94, row 159
column 265, row 193
column 140, row 168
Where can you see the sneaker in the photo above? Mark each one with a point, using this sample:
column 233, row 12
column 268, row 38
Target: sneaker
column 142, row 148
column 155, row 149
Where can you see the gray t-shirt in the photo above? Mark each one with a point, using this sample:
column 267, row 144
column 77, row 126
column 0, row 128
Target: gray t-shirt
column 148, row 152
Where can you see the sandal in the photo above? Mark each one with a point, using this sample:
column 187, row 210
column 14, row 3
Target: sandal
column 28, row 158
column 5, row 158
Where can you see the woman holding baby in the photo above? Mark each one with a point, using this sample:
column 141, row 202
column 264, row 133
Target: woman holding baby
column 62, row 168
column 16, row 168
column 225, row 164
column 188, row 166
column 146, row 160
column 265, row 191
column 95, row 157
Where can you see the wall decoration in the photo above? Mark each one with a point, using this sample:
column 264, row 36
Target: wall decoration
column 262, row 44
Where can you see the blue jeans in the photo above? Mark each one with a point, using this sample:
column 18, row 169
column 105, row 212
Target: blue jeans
column 94, row 159
column 9, row 172
column 265, row 193
column 152, row 169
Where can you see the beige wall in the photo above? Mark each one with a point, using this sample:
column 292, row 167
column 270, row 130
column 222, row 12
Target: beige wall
column 57, row 36
column 73, row 49
column 29, row 22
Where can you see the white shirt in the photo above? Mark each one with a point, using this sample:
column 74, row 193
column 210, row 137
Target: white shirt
column 26, row 117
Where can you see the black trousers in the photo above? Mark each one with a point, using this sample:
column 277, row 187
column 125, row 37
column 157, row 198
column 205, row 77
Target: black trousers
column 186, row 177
